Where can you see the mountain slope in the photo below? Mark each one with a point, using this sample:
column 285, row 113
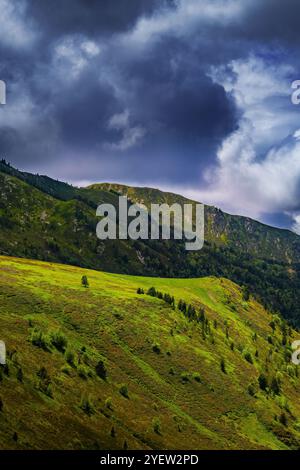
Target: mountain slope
column 165, row 388
column 48, row 220
column 222, row 229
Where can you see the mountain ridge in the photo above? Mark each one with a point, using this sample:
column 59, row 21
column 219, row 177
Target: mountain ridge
column 45, row 219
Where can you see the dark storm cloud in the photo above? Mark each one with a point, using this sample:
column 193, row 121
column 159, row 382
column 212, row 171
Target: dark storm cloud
column 104, row 90
column 177, row 116
column 91, row 17
column 273, row 20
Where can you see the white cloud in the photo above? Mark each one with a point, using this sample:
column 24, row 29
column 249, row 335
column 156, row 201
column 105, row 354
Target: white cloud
column 296, row 224
column 16, row 31
column 119, row 121
column 181, row 20
column 73, row 54
column 131, row 136
column 259, row 164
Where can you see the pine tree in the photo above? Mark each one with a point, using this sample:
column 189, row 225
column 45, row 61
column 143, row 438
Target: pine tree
column 84, row 281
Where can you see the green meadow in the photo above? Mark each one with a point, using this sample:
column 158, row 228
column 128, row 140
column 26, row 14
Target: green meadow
column 103, row 367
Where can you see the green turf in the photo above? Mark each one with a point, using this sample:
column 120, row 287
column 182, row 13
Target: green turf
column 181, row 385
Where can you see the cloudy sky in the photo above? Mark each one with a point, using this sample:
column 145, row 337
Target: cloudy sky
column 192, row 96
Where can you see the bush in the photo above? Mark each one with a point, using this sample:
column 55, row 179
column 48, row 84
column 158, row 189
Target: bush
column 245, row 293
column 263, row 382
column 248, row 357
column 223, row 366
column 197, row 377
column 86, row 405
column 44, row 384
column 184, row 377
column 70, row 357
column 40, row 339
column 59, row 341
column 108, row 403
column 101, row 370
column 156, row 425
column 48, row 391
column 270, row 339
column 20, row 375
column 283, row 419
column 275, row 386
column 251, row 390
column 66, row 370
column 156, row 348
column 123, row 390
column 82, row 372
column 152, row 292
column 84, row 281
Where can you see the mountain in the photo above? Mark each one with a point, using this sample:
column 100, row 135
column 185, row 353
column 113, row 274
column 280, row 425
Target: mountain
column 104, row 367
column 45, row 219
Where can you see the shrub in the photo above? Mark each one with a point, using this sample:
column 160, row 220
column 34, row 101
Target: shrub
column 84, row 281
column 270, row 339
column 86, row 405
column 291, row 371
column 245, row 293
column 108, row 403
column 48, row 391
column 66, row 370
column 251, row 390
column 42, row 373
column 39, row 339
column 44, row 384
column 123, row 390
column 140, row 291
column 20, row 375
column 223, row 366
column 82, row 372
column 184, row 377
column 248, row 357
column 272, row 324
column 101, row 370
column 156, row 425
column 152, row 292
column 283, row 419
column 275, row 386
column 70, row 357
column 197, row 377
column 156, row 348
column 263, row 382
column 59, row 341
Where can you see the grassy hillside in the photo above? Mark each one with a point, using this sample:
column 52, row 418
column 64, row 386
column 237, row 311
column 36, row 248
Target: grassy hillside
column 48, row 220
column 171, row 382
